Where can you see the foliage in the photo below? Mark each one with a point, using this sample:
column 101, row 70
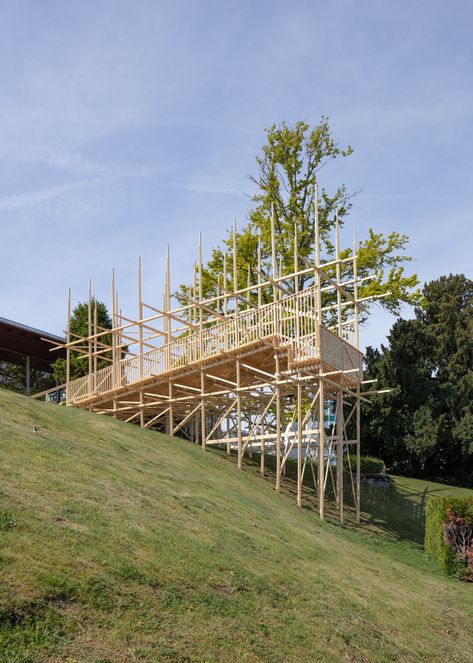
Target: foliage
column 368, row 464
column 286, row 182
column 79, row 327
column 13, row 376
column 449, row 535
column 425, row 425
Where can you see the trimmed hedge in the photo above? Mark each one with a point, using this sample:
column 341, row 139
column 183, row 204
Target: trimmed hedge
column 368, row 464
column 436, row 515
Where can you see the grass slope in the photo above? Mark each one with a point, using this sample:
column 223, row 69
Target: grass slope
column 118, row 544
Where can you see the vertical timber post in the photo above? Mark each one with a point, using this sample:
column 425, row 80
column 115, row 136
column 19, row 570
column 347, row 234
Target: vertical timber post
column 238, row 380
column 321, row 451
column 140, row 343
column 299, row 442
column 339, row 429
column 358, row 452
column 278, row 426
column 68, row 351
column 202, row 411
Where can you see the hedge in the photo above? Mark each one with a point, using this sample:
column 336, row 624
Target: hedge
column 439, row 511
column 368, row 464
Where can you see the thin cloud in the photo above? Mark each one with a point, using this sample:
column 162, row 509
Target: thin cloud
column 36, row 197
column 211, row 188
column 42, row 195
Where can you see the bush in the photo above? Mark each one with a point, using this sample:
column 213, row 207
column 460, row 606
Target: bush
column 449, row 535
column 368, row 464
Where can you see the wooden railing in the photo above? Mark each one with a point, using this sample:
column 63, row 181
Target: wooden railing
column 53, row 394
column 292, row 320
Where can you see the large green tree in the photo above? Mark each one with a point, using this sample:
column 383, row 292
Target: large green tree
column 425, row 425
column 79, row 327
column 286, row 180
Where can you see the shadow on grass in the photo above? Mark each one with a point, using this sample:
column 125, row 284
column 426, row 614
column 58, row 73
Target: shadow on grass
column 394, row 511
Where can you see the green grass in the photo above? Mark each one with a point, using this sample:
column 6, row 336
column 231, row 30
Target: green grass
column 118, row 544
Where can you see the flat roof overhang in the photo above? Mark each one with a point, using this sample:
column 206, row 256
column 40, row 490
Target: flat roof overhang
column 18, row 340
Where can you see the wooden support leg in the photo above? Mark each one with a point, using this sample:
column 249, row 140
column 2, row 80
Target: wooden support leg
column 299, row 444
column 197, row 428
column 142, row 410
column 170, row 421
column 202, row 412
column 358, row 455
column 321, row 452
column 278, row 425
column 339, row 429
column 278, row 439
column 239, row 434
column 227, row 424
column 262, row 459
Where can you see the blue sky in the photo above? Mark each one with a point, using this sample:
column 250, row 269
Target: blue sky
column 128, row 125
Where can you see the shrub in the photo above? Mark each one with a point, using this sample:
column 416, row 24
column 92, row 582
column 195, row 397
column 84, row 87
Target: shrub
column 368, row 464
column 6, row 521
column 449, row 535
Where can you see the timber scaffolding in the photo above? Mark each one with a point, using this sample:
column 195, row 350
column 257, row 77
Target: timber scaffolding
column 252, row 369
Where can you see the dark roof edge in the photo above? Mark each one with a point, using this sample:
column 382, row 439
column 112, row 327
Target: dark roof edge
column 32, row 330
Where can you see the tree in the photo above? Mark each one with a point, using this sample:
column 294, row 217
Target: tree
column 13, row 376
column 425, row 425
column 448, row 314
column 406, row 366
column 79, row 327
column 286, row 182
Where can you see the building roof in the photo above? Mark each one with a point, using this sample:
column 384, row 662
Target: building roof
column 17, row 339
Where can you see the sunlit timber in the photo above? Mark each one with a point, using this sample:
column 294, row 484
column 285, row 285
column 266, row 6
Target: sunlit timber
column 251, row 370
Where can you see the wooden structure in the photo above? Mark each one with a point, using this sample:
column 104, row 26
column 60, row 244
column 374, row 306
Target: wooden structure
column 250, row 369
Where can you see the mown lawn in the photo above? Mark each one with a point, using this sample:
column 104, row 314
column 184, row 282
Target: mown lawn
column 118, row 544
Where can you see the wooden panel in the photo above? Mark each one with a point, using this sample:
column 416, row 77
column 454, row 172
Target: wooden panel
column 340, row 355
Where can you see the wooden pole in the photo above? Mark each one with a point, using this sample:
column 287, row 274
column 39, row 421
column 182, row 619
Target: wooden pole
column 202, row 411
column 260, row 291
column 338, row 275
column 248, row 282
column 89, row 326
column 278, row 425
column 339, row 433
column 299, row 444
column 68, row 350
column 321, row 481
column 355, row 290
column 201, row 312
column 140, row 343
column 119, row 322
column 140, row 318
column 225, row 296
column 358, row 454
column 274, row 268
column 194, row 308
column 317, row 282
column 235, row 269
column 238, row 395
column 114, row 321
column 95, row 332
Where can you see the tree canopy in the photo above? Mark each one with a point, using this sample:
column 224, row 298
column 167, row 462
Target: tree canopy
column 287, row 180
column 425, row 425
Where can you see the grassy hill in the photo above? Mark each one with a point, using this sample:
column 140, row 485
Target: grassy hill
column 118, row 544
